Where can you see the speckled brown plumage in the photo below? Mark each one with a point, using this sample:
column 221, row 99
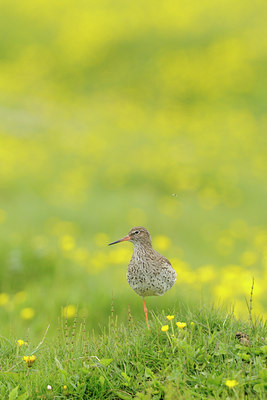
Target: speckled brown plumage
column 149, row 273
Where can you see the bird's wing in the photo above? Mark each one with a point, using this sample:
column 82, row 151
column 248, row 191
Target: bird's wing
column 164, row 260
column 166, row 264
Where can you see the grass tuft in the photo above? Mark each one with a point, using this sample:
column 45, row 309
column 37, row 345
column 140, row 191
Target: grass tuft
column 199, row 356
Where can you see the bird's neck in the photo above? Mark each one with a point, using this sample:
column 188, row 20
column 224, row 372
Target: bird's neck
column 142, row 248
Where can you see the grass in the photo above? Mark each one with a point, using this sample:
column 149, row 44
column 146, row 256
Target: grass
column 127, row 361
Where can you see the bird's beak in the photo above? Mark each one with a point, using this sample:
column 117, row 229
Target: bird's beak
column 121, row 240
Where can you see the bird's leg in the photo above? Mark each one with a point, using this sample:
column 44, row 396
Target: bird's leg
column 145, row 310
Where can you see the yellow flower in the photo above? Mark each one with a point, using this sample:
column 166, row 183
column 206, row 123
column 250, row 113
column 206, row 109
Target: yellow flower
column 181, row 325
column 192, row 323
column 65, row 387
column 162, row 242
column 4, row 299
column 67, row 242
column 170, row 317
column 21, row 342
column 164, row 328
column 29, row 360
column 69, row 311
column 27, row 313
column 231, row 383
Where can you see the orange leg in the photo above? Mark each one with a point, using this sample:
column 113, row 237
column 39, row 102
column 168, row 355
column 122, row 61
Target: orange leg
column 145, row 310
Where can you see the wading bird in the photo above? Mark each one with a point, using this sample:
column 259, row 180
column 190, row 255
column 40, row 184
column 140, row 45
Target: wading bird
column 149, row 273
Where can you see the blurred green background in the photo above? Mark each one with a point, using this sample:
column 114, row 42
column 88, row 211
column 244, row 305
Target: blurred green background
column 116, row 114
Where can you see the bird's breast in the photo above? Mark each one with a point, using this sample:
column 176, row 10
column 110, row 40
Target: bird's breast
column 148, row 278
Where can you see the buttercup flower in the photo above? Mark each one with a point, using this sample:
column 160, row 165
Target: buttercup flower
column 27, row 313
column 69, row 311
column 164, row 328
column 67, row 243
column 162, row 242
column 170, row 317
column 29, row 360
column 21, row 342
column 231, row 383
column 181, row 325
column 4, row 299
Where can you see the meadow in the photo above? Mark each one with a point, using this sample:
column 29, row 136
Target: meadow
column 200, row 359
column 114, row 115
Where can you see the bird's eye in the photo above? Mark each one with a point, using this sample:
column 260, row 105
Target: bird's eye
column 136, row 232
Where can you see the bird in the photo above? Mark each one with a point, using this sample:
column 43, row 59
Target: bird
column 149, row 273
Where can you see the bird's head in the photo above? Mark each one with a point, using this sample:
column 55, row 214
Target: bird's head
column 137, row 235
